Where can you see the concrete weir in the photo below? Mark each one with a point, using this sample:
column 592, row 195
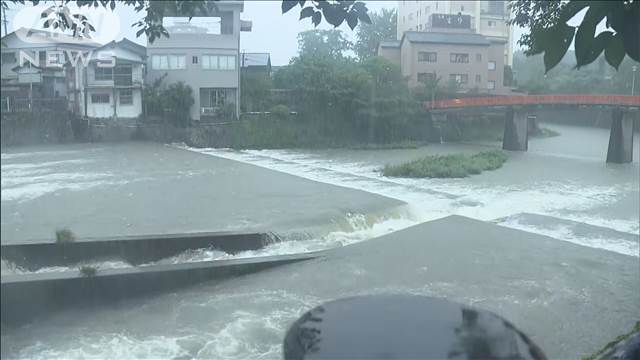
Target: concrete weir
column 29, row 296
column 132, row 249
column 621, row 137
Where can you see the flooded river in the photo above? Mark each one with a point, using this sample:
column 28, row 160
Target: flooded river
column 321, row 199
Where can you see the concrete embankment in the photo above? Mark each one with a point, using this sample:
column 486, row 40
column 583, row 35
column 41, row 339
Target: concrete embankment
column 132, row 249
column 28, row 296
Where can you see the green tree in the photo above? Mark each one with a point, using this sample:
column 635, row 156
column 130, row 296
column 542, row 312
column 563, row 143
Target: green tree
column 152, row 97
column 549, row 33
column 565, row 78
column 256, row 90
column 178, row 99
column 59, row 16
column 508, row 76
column 323, row 43
column 383, row 27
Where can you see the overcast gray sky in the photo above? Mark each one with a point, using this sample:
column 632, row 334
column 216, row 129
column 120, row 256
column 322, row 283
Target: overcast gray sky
column 272, row 32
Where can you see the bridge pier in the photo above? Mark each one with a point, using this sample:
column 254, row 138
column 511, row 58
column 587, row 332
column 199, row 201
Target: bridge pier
column 516, row 134
column 621, row 137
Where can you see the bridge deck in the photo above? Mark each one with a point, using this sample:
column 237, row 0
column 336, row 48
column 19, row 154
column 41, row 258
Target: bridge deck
column 532, row 100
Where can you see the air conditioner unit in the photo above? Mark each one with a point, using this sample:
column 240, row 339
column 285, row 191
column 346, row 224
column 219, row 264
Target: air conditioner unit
column 208, row 110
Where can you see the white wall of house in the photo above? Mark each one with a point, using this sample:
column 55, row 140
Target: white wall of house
column 132, row 110
column 99, row 110
column 106, row 110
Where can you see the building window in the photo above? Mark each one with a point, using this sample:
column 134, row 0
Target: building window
column 492, row 65
column 424, row 56
column 219, row 62
column 126, row 97
column 427, row 9
column 99, row 98
column 478, row 78
column 491, row 85
column 168, row 62
column 496, row 7
column 459, row 58
column 461, row 7
column 491, row 23
column 194, row 59
column 103, row 74
column 212, row 99
column 123, row 75
column 426, row 77
column 459, row 78
column 420, row 27
column 227, row 62
column 478, row 57
column 411, row 16
column 8, row 58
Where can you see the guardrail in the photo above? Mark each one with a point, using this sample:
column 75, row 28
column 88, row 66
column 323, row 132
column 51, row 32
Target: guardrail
column 11, row 105
column 616, row 100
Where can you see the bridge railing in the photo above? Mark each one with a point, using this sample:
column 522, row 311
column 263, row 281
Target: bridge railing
column 579, row 99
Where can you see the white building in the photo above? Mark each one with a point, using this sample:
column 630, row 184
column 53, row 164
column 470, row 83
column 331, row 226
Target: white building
column 110, row 85
column 488, row 18
column 33, row 66
column 204, row 53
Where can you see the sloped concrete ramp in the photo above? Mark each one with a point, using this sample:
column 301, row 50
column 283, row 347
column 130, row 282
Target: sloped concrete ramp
column 570, row 299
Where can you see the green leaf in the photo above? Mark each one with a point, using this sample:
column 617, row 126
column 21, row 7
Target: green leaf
column 572, row 8
column 631, row 31
column 333, row 15
column 352, row 19
column 288, row 5
column 316, row 18
column 596, row 46
column 586, row 32
column 306, row 12
column 614, row 52
column 363, row 16
column 557, row 44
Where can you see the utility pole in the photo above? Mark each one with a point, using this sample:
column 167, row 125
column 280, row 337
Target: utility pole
column 4, row 20
column 634, row 69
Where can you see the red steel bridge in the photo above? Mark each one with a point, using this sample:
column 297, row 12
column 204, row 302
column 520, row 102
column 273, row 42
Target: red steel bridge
column 533, row 100
column 520, row 109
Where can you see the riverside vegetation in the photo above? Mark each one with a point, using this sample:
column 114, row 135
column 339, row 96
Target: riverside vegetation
column 447, row 166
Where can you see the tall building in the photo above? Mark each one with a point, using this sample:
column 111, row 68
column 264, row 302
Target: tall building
column 204, row 53
column 488, row 18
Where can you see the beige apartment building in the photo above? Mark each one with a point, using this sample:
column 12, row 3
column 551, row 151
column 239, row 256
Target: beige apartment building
column 488, row 18
column 472, row 61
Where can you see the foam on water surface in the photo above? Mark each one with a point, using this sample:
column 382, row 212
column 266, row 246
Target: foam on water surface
column 430, row 199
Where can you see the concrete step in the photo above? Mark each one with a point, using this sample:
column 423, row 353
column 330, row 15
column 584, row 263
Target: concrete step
column 27, row 297
column 132, row 249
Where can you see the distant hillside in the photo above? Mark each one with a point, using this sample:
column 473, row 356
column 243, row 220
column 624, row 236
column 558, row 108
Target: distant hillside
column 597, row 77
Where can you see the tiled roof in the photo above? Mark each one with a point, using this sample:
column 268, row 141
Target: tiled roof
column 395, row 43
